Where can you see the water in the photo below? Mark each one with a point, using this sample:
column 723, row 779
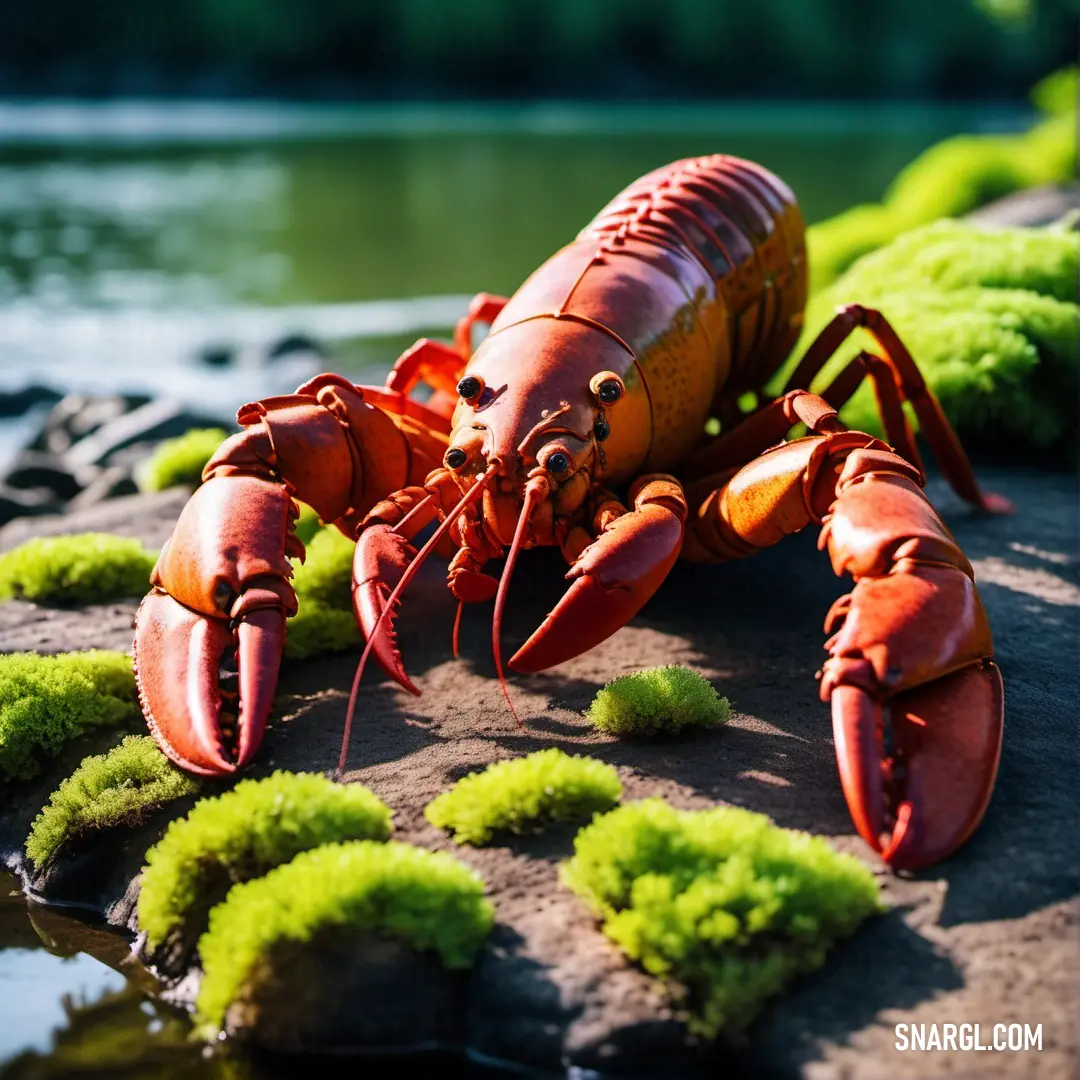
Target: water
column 136, row 238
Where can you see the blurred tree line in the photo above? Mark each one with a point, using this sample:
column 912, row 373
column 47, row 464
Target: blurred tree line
column 404, row 49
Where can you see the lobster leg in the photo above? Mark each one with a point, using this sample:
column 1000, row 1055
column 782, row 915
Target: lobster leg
column 222, row 580
column 914, row 649
column 911, row 387
column 614, row 576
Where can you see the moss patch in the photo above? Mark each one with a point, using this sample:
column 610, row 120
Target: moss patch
column 82, row 569
column 721, row 904
column 663, row 699
column 241, row 835
column 953, row 178
column 520, row 794
column 46, row 701
column 991, row 317
column 121, row 787
column 429, row 899
column 182, row 460
column 324, row 622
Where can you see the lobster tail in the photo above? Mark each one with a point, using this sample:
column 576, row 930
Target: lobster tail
column 743, row 225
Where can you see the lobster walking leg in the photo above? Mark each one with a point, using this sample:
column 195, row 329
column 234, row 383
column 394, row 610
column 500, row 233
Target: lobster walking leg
column 914, row 647
column 912, row 387
column 222, row 580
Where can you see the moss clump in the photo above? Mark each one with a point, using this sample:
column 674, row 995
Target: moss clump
column 46, row 701
column 118, row 788
column 663, row 699
column 517, row 795
column 721, row 904
column 82, row 569
column 182, row 460
column 429, row 899
column 953, row 178
column 307, row 524
column 991, row 317
column 241, row 835
column 324, row 622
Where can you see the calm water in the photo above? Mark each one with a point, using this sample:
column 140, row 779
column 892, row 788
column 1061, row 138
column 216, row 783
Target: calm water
column 135, row 238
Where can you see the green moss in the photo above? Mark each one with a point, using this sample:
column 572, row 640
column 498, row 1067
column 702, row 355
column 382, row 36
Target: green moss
column 953, row 178
column 46, row 701
column 721, row 904
column 82, row 569
column 118, row 788
column 241, row 835
column 663, row 699
column 181, row 460
column 990, row 316
column 307, row 524
column 324, row 622
column 430, row 899
column 519, row 794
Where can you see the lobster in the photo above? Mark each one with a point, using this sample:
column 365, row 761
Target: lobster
column 580, row 421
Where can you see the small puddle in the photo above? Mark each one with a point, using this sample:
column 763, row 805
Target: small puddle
column 74, row 1004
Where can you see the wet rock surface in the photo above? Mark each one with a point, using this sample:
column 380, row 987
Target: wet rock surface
column 992, row 936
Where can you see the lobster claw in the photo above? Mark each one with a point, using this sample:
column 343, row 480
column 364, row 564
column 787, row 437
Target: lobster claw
column 381, row 558
column 220, row 585
column 612, row 580
column 178, row 656
column 931, row 789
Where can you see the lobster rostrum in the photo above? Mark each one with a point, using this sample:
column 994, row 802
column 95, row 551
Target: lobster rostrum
column 580, row 421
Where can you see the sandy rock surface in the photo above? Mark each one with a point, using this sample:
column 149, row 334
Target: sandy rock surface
column 991, row 937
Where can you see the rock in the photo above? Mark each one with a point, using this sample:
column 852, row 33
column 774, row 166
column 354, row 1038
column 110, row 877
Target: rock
column 26, row 502
column 77, row 415
column 43, row 469
column 112, row 482
column 153, row 421
column 988, row 936
column 292, row 344
column 17, row 402
column 148, row 517
column 1032, row 207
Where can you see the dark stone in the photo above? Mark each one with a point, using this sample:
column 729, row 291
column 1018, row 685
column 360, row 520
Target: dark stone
column 149, row 422
column 1032, row 208
column 17, row 402
column 217, row 356
column 26, row 502
column 295, row 343
column 77, row 415
column 112, row 482
column 42, row 469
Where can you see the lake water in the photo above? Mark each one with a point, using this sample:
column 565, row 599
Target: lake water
column 135, row 239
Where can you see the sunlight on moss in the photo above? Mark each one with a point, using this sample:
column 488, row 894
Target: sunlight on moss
column 663, row 699
column 121, row 787
column 181, row 460
column 243, row 834
column 85, row 568
column 722, row 905
column 428, row 899
column 324, row 622
column 523, row 793
column 952, row 179
column 46, row 701
column 991, row 317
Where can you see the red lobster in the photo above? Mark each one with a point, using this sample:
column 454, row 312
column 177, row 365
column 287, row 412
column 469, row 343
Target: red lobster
column 580, row 421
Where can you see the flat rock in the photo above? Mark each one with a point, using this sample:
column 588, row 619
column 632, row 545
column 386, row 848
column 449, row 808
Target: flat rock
column 989, row 937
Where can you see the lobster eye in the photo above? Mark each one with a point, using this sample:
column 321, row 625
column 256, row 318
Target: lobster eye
column 558, row 462
column 602, row 430
column 455, row 457
column 470, row 387
column 607, row 386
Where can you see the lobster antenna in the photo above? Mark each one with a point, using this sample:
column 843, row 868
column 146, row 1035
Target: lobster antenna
column 410, row 572
column 534, row 492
